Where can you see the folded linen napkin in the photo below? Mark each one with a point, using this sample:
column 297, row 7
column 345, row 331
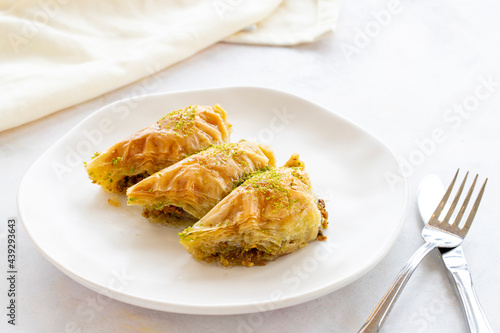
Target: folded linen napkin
column 58, row 53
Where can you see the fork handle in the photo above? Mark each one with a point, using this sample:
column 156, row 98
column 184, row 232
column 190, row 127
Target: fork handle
column 378, row 316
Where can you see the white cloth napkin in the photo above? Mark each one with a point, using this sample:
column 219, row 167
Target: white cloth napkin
column 58, row 53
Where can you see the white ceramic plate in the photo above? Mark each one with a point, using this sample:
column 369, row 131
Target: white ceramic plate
column 116, row 252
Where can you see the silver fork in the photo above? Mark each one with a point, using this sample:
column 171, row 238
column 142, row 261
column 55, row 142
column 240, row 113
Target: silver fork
column 436, row 234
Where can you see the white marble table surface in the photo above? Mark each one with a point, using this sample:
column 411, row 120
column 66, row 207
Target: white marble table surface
column 427, row 66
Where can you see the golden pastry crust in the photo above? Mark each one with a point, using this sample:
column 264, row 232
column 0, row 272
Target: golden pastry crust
column 171, row 139
column 271, row 214
column 190, row 188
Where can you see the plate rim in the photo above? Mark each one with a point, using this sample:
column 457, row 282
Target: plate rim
column 233, row 309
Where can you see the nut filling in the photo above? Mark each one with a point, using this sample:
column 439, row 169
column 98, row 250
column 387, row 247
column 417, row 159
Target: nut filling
column 128, row 181
column 239, row 255
column 324, row 219
column 167, row 214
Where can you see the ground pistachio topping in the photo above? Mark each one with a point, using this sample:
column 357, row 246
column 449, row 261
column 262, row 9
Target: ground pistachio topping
column 270, row 182
column 222, row 152
column 180, row 121
column 251, row 174
column 115, row 161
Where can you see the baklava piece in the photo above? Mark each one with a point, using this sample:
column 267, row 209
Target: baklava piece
column 271, row 214
column 171, row 139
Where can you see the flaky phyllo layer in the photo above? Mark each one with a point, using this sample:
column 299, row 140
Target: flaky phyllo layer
column 171, row 139
column 191, row 188
column 271, row 214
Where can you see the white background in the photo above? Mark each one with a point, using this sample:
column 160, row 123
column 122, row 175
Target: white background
column 402, row 83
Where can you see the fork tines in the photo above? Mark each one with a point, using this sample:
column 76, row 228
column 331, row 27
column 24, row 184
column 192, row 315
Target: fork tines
column 454, row 227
